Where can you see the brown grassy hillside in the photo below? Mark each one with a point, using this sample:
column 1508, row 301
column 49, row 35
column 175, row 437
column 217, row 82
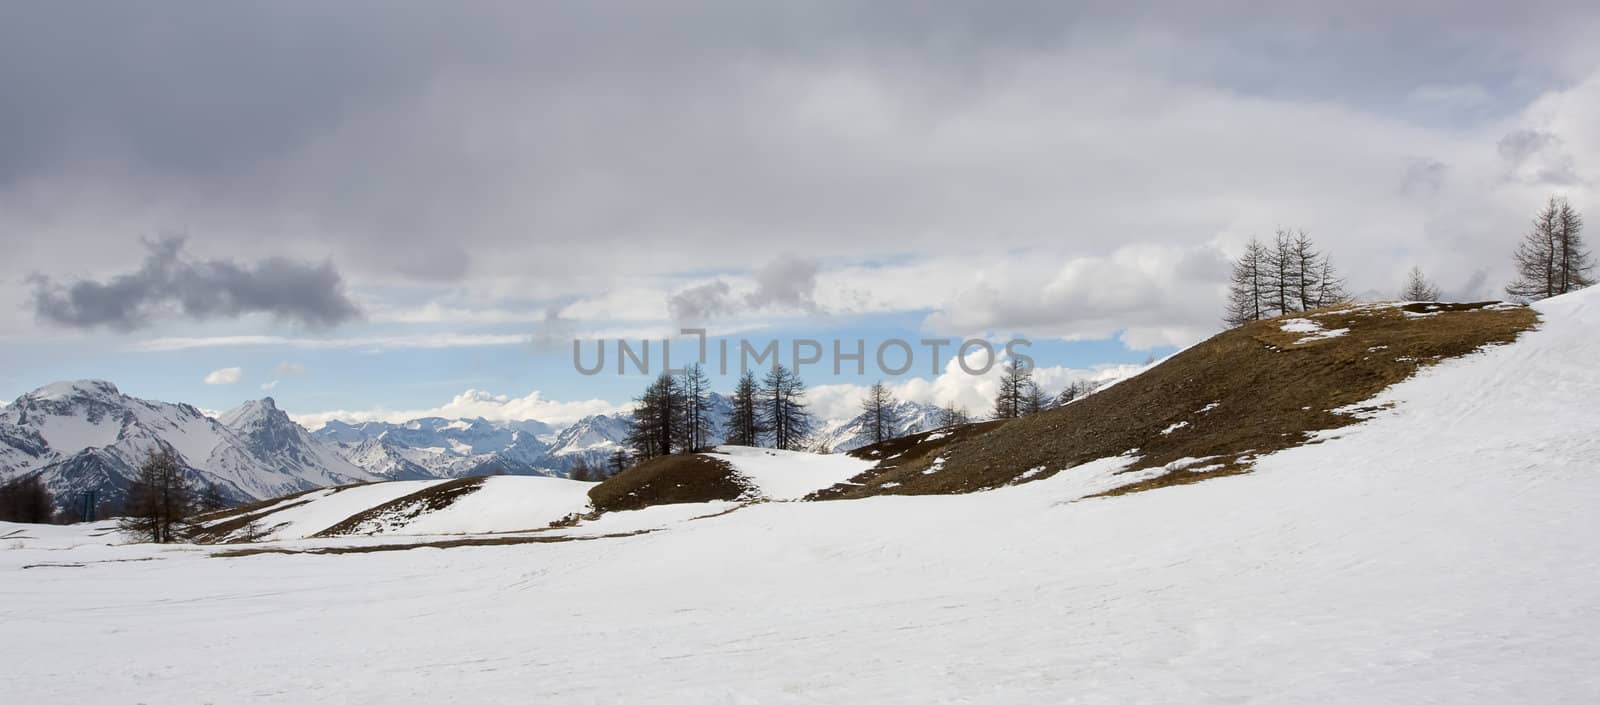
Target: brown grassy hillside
column 1245, row 392
column 671, row 479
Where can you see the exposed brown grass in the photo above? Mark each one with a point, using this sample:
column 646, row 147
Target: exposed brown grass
column 402, row 510
column 672, row 479
column 446, row 543
column 223, row 524
column 1271, row 389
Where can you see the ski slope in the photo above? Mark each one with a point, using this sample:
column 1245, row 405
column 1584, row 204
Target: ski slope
column 1442, row 552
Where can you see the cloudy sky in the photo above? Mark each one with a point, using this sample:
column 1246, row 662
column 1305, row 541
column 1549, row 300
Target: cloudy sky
column 391, row 208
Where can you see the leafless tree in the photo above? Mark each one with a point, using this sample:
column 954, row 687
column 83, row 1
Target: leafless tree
column 952, row 415
column 697, row 421
column 582, row 471
column 783, row 403
column 1418, row 288
column 1287, row 276
column 1247, row 289
column 160, row 500
column 744, row 427
column 883, row 420
column 1552, row 259
column 1077, row 389
column 620, row 460
column 658, row 419
column 26, row 500
column 1016, row 382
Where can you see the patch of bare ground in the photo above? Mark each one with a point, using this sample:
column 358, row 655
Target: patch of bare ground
column 672, row 479
column 447, row 543
column 399, row 512
column 231, row 524
column 1249, row 391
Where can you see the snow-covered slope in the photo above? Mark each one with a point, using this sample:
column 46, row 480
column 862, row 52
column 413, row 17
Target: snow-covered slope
column 1441, row 552
column 503, row 504
column 789, row 475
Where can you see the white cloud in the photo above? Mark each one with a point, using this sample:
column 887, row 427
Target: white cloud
column 1149, row 294
column 475, row 403
column 267, row 387
column 226, row 375
column 972, row 393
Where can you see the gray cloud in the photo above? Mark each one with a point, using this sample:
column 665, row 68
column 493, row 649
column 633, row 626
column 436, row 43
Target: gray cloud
column 571, row 148
column 170, row 284
column 1538, row 156
column 698, row 304
column 787, row 283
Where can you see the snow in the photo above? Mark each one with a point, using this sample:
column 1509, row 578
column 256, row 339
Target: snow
column 649, row 518
column 508, row 503
column 329, row 507
column 1441, row 552
column 60, row 391
column 70, row 434
column 1312, row 329
column 1174, row 427
column 788, row 475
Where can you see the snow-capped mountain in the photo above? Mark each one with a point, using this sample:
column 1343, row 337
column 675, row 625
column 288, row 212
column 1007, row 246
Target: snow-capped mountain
column 267, row 431
column 87, row 436
column 437, row 447
column 850, row 434
column 593, row 438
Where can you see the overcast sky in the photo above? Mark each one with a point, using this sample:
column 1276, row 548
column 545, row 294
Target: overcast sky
column 376, row 207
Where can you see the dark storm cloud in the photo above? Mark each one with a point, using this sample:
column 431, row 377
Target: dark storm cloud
column 168, row 283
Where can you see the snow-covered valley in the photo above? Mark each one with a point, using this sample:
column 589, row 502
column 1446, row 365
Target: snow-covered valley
column 1441, row 551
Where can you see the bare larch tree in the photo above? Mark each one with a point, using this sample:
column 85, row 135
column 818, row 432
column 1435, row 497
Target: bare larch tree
column 1016, row 388
column 783, row 401
column 1418, row 287
column 1552, row 259
column 883, row 419
column 744, row 427
column 160, row 500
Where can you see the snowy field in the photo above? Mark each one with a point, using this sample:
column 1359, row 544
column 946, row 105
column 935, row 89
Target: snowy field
column 1443, row 552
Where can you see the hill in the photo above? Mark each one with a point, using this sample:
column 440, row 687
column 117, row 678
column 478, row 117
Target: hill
column 1208, row 411
column 1436, row 547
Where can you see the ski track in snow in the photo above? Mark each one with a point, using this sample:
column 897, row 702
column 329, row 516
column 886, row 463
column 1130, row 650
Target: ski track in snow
column 1441, row 552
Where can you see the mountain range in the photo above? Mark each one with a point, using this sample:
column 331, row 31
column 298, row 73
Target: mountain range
column 88, row 437
column 849, row 434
